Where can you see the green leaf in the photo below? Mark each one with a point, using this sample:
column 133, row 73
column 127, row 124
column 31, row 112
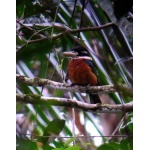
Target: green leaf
column 27, row 52
column 20, row 10
column 73, row 148
column 58, row 149
column 128, row 123
column 26, row 145
column 126, row 144
column 53, row 128
column 47, row 147
column 109, row 146
column 60, row 66
column 69, row 141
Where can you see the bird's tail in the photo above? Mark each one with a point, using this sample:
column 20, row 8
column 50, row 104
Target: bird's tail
column 94, row 98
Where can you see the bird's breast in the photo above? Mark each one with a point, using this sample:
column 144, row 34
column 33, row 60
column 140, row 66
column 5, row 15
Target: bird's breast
column 80, row 73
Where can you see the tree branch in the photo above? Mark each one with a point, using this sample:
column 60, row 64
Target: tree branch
column 65, row 30
column 99, row 108
column 67, row 87
column 69, row 30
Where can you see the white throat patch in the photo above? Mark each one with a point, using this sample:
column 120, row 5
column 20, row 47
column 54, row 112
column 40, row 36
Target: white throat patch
column 83, row 57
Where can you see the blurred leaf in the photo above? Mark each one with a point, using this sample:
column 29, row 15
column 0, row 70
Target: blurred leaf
column 73, row 148
column 47, row 147
column 108, row 8
column 60, row 66
column 126, row 144
column 127, row 124
column 109, row 146
column 26, row 145
column 58, row 149
column 20, row 11
column 28, row 51
column 32, row 7
column 54, row 128
column 69, row 141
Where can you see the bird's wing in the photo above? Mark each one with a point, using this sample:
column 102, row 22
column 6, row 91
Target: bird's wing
column 93, row 67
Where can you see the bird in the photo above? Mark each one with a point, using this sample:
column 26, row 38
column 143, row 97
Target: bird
column 82, row 70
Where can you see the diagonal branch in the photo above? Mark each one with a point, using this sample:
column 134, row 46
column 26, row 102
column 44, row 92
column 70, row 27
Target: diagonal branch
column 67, row 87
column 69, row 30
column 65, row 30
column 55, row 101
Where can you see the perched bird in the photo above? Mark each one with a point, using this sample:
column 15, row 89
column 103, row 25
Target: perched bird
column 82, row 70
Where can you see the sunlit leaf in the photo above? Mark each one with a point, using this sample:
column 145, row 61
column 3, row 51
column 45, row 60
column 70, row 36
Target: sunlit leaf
column 69, row 141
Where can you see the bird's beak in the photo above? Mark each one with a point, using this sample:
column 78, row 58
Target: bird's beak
column 70, row 54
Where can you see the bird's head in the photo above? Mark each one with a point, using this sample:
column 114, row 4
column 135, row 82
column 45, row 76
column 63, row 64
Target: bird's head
column 78, row 52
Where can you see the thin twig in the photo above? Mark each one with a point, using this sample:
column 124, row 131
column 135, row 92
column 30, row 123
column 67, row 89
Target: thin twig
column 116, row 129
column 78, row 136
column 65, row 31
column 69, row 30
column 29, row 28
